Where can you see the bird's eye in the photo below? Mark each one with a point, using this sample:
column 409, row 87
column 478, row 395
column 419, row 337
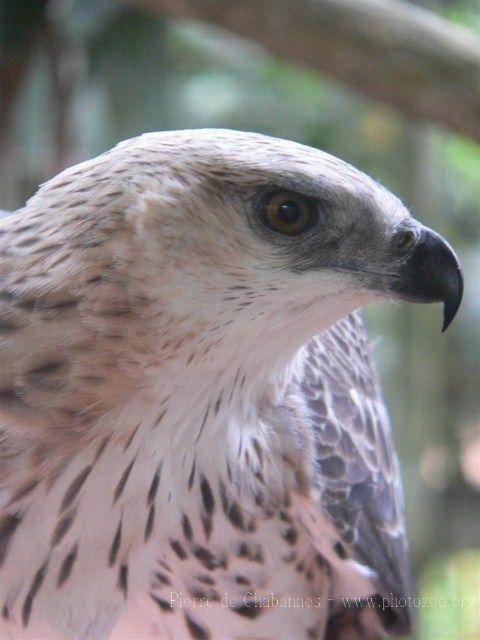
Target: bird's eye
column 289, row 213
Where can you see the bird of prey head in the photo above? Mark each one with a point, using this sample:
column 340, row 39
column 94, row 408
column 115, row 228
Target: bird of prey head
column 312, row 236
column 180, row 388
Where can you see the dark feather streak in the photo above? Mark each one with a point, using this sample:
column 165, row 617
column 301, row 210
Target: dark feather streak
column 61, row 529
column 75, row 487
column 163, row 579
column 187, row 527
column 23, row 491
column 152, row 492
column 149, row 524
column 112, row 556
column 66, row 567
column 32, row 592
column 131, row 436
column 207, row 496
column 192, row 476
column 196, row 630
column 206, row 558
column 290, row 535
column 162, row 604
column 248, row 610
column 179, row 550
column 207, row 525
column 123, row 481
column 123, row 579
column 8, row 525
column 203, row 424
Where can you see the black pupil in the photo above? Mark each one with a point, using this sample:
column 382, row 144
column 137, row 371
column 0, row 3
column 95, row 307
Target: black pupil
column 289, row 212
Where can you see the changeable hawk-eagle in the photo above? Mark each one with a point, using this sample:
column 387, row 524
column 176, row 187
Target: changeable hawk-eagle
column 193, row 441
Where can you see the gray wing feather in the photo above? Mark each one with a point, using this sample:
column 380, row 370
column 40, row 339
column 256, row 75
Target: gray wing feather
column 356, row 472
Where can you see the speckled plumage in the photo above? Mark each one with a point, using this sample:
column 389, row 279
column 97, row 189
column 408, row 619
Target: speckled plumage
column 176, row 444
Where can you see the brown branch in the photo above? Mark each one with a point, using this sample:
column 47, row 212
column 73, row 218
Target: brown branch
column 22, row 23
column 64, row 68
column 390, row 50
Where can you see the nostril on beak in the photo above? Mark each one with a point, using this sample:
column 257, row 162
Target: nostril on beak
column 404, row 240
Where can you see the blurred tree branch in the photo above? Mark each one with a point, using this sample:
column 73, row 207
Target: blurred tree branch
column 389, row 50
column 21, row 23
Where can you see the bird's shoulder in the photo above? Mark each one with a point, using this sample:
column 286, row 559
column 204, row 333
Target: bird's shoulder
column 354, row 479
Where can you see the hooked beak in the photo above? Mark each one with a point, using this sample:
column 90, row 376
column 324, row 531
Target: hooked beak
column 431, row 273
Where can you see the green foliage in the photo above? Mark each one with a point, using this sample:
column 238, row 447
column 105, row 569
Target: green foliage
column 464, row 12
column 450, row 598
column 463, row 157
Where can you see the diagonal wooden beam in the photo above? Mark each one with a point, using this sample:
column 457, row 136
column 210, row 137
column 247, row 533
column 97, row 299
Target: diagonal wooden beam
column 390, row 50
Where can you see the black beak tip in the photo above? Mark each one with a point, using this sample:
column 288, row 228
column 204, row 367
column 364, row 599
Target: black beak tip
column 432, row 273
column 453, row 298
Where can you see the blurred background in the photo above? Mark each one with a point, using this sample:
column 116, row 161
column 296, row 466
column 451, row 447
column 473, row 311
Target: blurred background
column 77, row 76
